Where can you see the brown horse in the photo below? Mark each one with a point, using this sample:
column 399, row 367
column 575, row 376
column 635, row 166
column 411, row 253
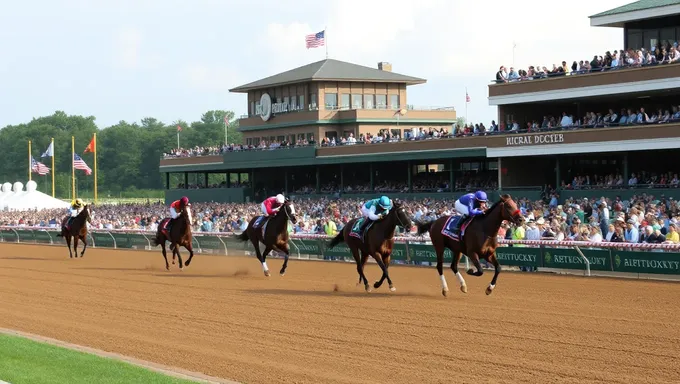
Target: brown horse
column 273, row 233
column 479, row 241
column 378, row 242
column 179, row 235
column 77, row 229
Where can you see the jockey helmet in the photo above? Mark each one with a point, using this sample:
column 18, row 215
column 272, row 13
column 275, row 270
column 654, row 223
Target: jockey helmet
column 385, row 202
column 480, row 195
column 280, row 199
column 184, row 200
column 79, row 201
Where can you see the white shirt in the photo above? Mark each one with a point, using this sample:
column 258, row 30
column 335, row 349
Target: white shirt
column 596, row 238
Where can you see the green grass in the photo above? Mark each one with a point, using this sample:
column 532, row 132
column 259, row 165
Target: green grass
column 24, row 361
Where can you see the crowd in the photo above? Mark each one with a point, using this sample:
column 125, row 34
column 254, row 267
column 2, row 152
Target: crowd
column 615, row 180
column 642, row 218
column 661, row 54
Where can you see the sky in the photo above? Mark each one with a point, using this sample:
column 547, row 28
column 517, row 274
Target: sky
column 130, row 59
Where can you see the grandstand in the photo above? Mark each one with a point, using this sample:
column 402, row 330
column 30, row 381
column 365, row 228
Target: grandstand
column 338, row 129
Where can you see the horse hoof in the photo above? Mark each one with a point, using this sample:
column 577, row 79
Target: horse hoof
column 266, row 273
column 392, row 289
column 368, row 288
column 463, row 288
column 470, row 271
column 489, row 290
column 181, row 269
column 282, row 272
column 376, row 285
column 445, row 292
column 167, row 267
column 173, row 262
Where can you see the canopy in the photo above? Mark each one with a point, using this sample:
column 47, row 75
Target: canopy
column 14, row 198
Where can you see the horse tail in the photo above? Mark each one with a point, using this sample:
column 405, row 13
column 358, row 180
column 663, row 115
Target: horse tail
column 424, row 227
column 339, row 238
column 243, row 236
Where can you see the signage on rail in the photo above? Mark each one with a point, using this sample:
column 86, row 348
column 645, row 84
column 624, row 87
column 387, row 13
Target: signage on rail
column 551, row 138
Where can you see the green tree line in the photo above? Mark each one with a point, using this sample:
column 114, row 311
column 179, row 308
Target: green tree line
column 128, row 154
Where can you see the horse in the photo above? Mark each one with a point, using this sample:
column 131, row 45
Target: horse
column 479, row 240
column 179, row 235
column 377, row 241
column 77, row 230
column 273, row 233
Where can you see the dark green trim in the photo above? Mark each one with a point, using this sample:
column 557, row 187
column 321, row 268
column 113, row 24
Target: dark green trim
column 344, row 121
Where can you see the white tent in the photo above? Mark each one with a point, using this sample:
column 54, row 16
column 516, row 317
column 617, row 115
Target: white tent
column 5, row 192
column 31, row 199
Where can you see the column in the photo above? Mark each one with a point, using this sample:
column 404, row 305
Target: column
column 318, row 179
column 558, row 175
column 228, row 175
column 626, row 174
column 167, row 180
column 285, row 181
column 452, row 175
column 370, row 169
column 205, row 181
column 186, row 179
column 342, row 178
column 500, row 175
column 409, row 170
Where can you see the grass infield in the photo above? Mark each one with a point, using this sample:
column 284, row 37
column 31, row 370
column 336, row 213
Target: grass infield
column 24, row 361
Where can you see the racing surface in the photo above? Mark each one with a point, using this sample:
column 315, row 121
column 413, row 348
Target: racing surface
column 222, row 317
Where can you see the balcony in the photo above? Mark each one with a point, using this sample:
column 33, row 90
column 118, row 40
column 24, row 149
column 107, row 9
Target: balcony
column 624, row 80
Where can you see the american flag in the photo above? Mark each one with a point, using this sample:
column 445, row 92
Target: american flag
column 315, row 40
column 39, row 168
column 467, row 97
column 179, row 128
column 78, row 163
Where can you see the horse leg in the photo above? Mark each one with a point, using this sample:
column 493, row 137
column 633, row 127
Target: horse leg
column 475, row 260
column 191, row 254
column 172, row 248
column 497, row 270
column 440, row 269
column 165, row 256
column 84, row 239
column 68, row 243
column 360, row 267
column 379, row 259
column 386, row 263
column 75, row 245
column 286, row 253
column 263, row 259
column 454, row 268
column 179, row 257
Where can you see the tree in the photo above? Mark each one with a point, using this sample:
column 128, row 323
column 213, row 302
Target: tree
column 128, row 154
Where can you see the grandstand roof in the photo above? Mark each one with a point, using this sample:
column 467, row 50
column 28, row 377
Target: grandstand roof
column 638, row 10
column 330, row 70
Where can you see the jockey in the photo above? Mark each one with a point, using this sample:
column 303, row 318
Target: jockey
column 375, row 209
column 470, row 204
column 177, row 206
column 76, row 206
column 271, row 205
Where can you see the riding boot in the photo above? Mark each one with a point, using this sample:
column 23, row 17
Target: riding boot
column 364, row 225
column 459, row 224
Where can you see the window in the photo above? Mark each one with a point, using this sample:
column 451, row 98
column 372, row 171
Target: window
column 280, row 138
column 312, row 101
column 356, row 101
column 249, row 141
column 286, row 100
column 344, row 101
column 331, row 101
column 369, row 101
column 301, row 102
column 396, row 132
column 493, row 165
column 394, row 101
column 293, row 103
column 331, row 134
column 381, row 101
column 310, row 138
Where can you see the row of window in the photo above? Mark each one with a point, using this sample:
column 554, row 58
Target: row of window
column 650, row 38
column 347, row 101
column 292, row 139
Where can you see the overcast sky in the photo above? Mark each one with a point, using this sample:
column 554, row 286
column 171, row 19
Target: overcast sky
column 170, row 59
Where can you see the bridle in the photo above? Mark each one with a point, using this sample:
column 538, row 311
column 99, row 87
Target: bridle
column 514, row 215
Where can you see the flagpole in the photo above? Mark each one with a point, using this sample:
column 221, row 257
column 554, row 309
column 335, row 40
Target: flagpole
column 29, row 161
column 325, row 37
column 226, row 135
column 178, row 139
column 53, row 167
column 73, row 169
column 95, row 167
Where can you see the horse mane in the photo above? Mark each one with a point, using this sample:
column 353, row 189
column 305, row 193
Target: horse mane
column 504, row 198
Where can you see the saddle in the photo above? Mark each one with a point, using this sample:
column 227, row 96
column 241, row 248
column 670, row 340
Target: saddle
column 356, row 229
column 261, row 223
column 165, row 226
column 453, row 231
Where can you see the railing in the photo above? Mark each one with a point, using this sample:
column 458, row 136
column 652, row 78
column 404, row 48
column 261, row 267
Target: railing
column 611, row 257
column 542, row 76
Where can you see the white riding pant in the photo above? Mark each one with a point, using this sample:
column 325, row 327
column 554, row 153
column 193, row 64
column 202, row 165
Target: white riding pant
column 461, row 208
column 173, row 213
column 264, row 209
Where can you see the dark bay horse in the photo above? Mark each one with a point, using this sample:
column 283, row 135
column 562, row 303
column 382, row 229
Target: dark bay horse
column 273, row 233
column 76, row 230
column 479, row 241
column 179, row 235
column 378, row 242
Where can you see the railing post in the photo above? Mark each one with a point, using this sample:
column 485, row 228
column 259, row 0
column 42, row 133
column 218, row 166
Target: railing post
column 115, row 245
column 226, row 252
column 585, row 260
column 16, row 234
column 48, row 234
column 148, row 248
column 197, row 242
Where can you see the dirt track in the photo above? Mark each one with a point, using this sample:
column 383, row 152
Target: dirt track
column 221, row 316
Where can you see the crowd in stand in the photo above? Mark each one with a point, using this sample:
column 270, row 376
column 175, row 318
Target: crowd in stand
column 616, row 181
column 661, row 54
column 642, row 218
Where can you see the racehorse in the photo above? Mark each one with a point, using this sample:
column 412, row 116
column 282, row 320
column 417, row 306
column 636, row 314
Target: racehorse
column 479, row 240
column 273, row 233
column 179, row 235
column 377, row 241
column 76, row 230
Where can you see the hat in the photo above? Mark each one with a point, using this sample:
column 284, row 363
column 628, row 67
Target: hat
column 620, row 219
column 631, row 221
column 540, row 221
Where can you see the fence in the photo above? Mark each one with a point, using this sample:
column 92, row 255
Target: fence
column 614, row 257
